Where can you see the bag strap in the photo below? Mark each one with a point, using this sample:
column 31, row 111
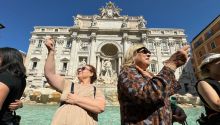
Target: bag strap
column 14, row 113
column 94, row 91
column 72, row 91
column 72, row 88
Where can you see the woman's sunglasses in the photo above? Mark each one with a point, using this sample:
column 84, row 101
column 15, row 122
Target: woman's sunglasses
column 83, row 68
column 143, row 50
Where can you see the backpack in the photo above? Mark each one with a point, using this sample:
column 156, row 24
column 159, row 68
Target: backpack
column 203, row 120
column 175, row 107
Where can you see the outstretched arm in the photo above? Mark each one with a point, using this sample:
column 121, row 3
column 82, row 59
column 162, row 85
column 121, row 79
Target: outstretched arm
column 54, row 79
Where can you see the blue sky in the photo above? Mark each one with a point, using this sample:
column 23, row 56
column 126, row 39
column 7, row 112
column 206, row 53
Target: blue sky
column 20, row 16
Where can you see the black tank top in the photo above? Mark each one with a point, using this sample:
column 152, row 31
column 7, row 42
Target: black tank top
column 216, row 86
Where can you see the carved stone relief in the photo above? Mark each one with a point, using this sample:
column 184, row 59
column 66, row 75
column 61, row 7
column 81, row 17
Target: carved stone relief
column 171, row 44
column 94, row 21
column 141, row 22
column 76, row 21
column 124, row 22
column 82, row 61
column 143, row 39
column 157, row 43
column 125, row 38
column 84, row 46
column 110, row 11
column 60, row 41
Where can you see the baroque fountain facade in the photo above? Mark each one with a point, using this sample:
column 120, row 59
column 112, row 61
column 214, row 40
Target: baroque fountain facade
column 100, row 40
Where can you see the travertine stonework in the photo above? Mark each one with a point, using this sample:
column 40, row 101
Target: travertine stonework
column 101, row 40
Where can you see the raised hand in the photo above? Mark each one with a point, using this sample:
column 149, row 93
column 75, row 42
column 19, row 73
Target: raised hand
column 180, row 57
column 49, row 42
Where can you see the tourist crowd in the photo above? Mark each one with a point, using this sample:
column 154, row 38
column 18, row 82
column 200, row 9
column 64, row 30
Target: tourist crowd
column 144, row 97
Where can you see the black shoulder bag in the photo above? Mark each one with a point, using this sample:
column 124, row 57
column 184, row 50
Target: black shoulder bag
column 203, row 119
column 16, row 119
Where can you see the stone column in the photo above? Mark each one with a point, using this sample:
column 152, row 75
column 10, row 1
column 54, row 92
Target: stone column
column 73, row 61
column 125, row 42
column 144, row 39
column 102, row 61
column 28, row 61
column 119, row 63
column 92, row 49
column 184, row 41
column 158, row 54
column 171, row 44
column 98, row 68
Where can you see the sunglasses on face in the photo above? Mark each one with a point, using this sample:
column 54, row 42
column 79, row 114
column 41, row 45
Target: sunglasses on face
column 83, row 68
column 143, row 50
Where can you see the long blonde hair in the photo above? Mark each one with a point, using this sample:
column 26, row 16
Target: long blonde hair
column 128, row 58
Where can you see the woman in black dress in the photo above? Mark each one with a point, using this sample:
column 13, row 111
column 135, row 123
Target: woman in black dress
column 12, row 83
column 208, row 88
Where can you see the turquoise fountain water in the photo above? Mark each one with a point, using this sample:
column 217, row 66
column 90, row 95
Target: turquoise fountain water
column 42, row 115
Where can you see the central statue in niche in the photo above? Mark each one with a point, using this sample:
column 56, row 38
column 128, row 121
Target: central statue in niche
column 107, row 68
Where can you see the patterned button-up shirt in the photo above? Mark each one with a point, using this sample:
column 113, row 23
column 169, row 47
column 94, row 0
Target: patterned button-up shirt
column 144, row 100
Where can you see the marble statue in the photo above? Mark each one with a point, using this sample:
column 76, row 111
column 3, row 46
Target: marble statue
column 141, row 22
column 94, row 21
column 107, row 67
column 76, row 21
column 124, row 22
column 82, row 63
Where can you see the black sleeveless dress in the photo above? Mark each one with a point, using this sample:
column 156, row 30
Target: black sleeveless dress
column 16, row 87
column 213, row 116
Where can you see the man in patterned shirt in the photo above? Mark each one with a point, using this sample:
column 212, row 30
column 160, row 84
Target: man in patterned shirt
column 144, row 97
